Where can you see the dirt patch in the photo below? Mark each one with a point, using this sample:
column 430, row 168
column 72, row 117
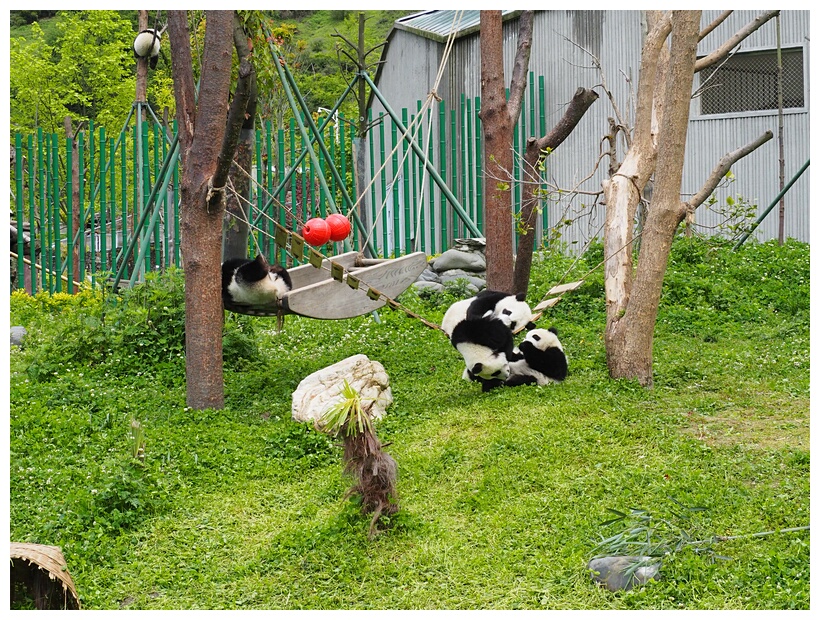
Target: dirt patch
column 775, row 431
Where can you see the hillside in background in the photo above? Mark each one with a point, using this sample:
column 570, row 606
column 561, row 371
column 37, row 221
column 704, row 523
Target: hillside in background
column 79, row 64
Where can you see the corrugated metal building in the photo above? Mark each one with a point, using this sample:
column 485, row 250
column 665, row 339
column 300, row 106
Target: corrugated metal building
column 735, row 107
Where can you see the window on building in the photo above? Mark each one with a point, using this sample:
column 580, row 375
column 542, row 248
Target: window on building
column 748, row 82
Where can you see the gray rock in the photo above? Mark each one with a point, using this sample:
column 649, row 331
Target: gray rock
column 322, row 389
column 457, row 259
column 18, row 334
column 477, row 244
column 611, row 572
column 428, row 275
column 436, row 287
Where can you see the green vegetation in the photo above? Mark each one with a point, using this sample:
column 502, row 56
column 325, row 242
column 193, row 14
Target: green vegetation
column 503, row 495
column 80, row 63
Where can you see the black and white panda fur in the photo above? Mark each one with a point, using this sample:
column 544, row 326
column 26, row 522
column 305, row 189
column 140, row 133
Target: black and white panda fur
column 539, row 359
column 146, row 45
column 484, row 344
column 512, row 310
column 481, row 329
column 253, row 282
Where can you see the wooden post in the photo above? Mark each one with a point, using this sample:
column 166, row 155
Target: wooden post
column 75, row 200
column 142, row 64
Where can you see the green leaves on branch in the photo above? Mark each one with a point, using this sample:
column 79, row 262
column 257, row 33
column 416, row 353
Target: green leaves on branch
column 347, row 416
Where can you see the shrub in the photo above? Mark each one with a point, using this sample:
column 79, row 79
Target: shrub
column 141, row 329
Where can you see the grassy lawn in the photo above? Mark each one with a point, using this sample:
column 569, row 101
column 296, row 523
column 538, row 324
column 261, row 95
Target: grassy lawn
column 503, row 495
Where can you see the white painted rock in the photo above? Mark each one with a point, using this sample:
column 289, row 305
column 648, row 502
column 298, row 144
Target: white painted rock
column 322, row 389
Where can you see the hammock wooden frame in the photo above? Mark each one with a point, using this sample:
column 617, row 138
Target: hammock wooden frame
column 343, row 287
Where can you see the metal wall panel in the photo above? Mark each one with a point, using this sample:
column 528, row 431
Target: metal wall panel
column 567, row 46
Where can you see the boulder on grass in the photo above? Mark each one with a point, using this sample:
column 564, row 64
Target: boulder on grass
column 616, row 572
column 322, row 389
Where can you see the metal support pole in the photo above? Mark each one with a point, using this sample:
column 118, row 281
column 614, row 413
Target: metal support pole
column 430, row 169
column 162, row 178
column 772, row 205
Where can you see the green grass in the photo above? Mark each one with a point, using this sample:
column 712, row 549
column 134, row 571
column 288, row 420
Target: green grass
column 502, row 494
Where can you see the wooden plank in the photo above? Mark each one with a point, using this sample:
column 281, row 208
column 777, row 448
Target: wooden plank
column 305, row 275
column 336, row 300
column 547, row 303
column 563, row 288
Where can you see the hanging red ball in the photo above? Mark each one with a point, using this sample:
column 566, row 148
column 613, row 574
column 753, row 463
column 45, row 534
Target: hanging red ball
column 316, row 231
column 339, row 226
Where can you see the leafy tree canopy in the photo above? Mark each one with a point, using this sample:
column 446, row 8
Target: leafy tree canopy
column 87, row 73
column 80, row 63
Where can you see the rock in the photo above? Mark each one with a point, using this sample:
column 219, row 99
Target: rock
column 18, row 334
column 610, row 571
column 457, row 259
column 436, row 287
column 428, row 275
column 477, row 244
column 322, row 389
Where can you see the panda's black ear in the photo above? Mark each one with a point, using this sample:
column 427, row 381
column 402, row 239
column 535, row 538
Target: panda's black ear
column 531, row 326
column 553, row 330
column 521, row 296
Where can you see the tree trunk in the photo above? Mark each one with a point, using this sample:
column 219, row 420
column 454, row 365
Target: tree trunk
column 661, row 121
column 142, row 63
column 498, row 159
column 201, row 130
column 629, row 334
column 236, row 227
column 533, row 157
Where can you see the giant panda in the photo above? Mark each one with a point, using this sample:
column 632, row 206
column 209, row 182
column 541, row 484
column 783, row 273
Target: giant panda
column 253, row 282
column 512, row 310
column 539, row 359
column 483, row 340
column 146, row 45
column 484, row 344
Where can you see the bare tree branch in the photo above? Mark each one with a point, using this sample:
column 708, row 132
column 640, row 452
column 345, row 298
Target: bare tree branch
column 596, row 63
column 720, row 19
column 577, row 107
column 236, row 118
column 649, row 65
column 343, row 38
column 733, row 41
column 722, row 167
column 518, row 81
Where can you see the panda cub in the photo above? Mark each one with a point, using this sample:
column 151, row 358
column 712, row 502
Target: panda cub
column 146, row 45
column 481, row 329
column 253, row 282
column 485, row 345
column 539, row 359
column 512, row 310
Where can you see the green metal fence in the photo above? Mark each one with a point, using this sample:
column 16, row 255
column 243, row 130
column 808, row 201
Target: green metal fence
column 120, row 216
column 407, row 208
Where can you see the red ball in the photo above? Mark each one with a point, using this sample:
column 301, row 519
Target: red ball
column 339, row 226
column 316, row 231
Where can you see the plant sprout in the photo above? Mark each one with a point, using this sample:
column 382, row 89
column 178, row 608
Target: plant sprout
column 374, row 471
